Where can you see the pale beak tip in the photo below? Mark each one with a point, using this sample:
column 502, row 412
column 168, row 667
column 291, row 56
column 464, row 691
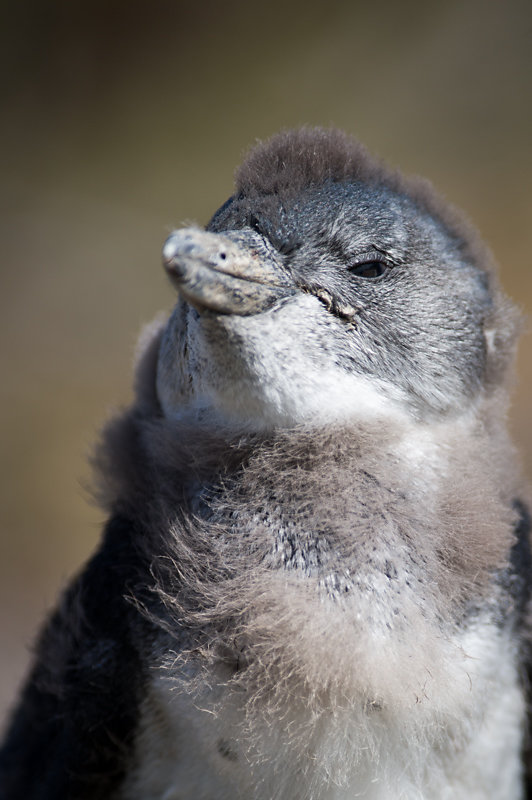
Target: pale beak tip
column 169, row 251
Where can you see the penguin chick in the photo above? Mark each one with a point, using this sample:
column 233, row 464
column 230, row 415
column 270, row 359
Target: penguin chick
column 314, row 580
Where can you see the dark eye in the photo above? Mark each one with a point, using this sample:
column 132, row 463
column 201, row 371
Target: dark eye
column 369, row 269
column 254, row 224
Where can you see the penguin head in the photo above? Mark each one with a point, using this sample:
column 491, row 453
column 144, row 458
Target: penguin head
column 328, row 287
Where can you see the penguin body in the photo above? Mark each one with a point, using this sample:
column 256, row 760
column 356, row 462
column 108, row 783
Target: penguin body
column 314, row 581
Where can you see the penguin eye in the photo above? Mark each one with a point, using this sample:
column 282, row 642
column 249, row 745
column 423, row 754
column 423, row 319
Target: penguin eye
column 369, row 269
column 254, row 224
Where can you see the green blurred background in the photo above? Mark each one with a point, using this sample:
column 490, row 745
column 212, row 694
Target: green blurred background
column 121, row 120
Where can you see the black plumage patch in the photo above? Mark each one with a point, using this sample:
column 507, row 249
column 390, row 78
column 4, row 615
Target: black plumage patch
column 72, row 735
column 520, row 588
column 521, row 561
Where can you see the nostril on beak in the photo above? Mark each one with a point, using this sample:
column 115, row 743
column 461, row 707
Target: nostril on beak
column 184, row 245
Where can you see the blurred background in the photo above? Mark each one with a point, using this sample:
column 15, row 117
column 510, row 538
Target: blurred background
column 121, row 120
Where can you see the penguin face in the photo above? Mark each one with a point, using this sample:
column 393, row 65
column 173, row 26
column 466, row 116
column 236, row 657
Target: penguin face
column 332, row 301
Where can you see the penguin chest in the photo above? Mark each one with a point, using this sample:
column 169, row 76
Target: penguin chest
column 460, row 739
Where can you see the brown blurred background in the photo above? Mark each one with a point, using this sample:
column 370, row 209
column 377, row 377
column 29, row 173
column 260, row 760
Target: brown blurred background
column 123, row 119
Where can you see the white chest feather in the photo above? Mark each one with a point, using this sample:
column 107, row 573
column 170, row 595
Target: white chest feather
column 458, row 739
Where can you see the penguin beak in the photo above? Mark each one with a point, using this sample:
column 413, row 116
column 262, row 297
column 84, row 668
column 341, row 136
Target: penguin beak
column 213, row 273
